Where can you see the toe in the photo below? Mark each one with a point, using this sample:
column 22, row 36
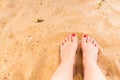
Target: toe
column 96, row 44
column 92, row 40
column 66, row 39
column 69, row 38
column 74, row 38
column 84, row 39
column 62, row 44
column 88, row 39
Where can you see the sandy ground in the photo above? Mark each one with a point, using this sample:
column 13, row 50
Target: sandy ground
column 32, row 30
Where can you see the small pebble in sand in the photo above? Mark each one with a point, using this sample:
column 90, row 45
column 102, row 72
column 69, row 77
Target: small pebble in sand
column 29, row 38
column 39, row 20
column 5, row 60
column 100, row 4
column 5, row 78
column 38, row 41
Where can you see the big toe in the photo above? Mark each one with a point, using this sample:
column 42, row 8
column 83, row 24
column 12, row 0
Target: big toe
column 84, row 39
column 74, row 38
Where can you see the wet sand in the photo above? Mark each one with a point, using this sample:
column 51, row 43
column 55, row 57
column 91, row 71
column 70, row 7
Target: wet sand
column 31, row 32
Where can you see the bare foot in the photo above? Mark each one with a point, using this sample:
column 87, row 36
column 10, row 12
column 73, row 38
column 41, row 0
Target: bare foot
column 89, row 48
column 68, row 49
column 65, row 70
column 91, row 70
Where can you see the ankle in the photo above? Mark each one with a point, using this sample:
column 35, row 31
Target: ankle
column 89, row 57
column 88, row 60
column 67, row 65
column 68, row 60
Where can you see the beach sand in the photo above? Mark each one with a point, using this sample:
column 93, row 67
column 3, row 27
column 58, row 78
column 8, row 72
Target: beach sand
column 31, row 32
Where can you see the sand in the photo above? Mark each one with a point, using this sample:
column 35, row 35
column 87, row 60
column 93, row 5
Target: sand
column 32, row 30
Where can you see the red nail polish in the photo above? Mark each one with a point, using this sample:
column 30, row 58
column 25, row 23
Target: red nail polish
column 85, row 35
column 73, row 34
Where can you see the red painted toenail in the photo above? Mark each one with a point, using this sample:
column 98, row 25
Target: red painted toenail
column 73, row 34
column 85, row 35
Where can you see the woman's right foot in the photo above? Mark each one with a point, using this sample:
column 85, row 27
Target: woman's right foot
column 68, row 49
column 89, row 49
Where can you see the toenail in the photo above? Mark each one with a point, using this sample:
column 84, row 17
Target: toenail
column 62, row 43
column 85, row 35
column 95, row 45
column 73, row 34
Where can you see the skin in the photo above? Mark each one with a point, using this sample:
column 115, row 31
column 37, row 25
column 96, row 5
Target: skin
column 68, row 50
column 90, row 51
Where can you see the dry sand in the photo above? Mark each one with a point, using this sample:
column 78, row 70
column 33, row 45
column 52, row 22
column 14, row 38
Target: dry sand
column 32, row 30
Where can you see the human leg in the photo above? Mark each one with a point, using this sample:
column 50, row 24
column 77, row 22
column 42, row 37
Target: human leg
column 67, row 50
column 90, row 51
